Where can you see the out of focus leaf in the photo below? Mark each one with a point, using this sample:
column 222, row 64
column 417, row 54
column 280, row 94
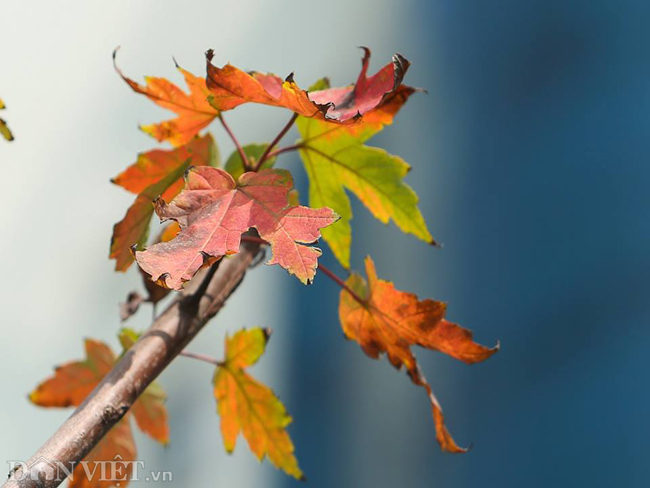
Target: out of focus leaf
column 151, row 414
column 73, row 381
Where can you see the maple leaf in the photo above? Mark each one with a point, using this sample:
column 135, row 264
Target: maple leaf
column 385, row 320
column 4, row 129
column 193, row 110
column 336, row 159
column 231, row 87
column 155, row 173
column 214, row 211
column 245, row 405
column 74, row 381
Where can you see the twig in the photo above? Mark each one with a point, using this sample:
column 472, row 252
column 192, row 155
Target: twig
column 277, row 139
column 201, row 357
column 244, row 160
column 282, row 150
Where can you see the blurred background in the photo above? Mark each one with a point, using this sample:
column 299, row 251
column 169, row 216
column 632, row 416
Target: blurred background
column 530, row 156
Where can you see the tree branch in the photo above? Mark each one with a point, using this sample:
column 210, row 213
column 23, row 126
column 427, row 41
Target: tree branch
column 141, row 364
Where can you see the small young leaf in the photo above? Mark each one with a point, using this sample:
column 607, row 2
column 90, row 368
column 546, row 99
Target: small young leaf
column 253, row 152
column 193, row 110
column 245, row 405
column 214, row 211
column 127, row 338
column 391, row 321
column 155, row 173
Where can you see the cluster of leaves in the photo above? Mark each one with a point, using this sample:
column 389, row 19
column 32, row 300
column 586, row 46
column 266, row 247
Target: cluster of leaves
column 245, row 405
column 4, row 129
column 213, row 207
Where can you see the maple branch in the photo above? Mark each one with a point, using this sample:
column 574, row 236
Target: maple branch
column 277, row 139
column 138, row 367
column 244, row 160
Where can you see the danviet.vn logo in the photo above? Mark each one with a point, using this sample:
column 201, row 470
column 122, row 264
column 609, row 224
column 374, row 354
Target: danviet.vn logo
column 116, row 471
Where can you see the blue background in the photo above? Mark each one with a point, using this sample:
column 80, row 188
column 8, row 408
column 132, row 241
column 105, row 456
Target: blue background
column 536, row 132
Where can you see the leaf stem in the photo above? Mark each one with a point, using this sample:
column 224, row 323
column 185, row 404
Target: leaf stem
column 328, row 272
column 277, row 139
column 201, row 357
column 244, row 160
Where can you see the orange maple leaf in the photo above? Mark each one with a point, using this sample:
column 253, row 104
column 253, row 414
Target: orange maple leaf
column 193, row 109
column 231, row 87
column 214, row 211
column 385, row 320
column 155, row 173
column 248, row 406
column 72, row 383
